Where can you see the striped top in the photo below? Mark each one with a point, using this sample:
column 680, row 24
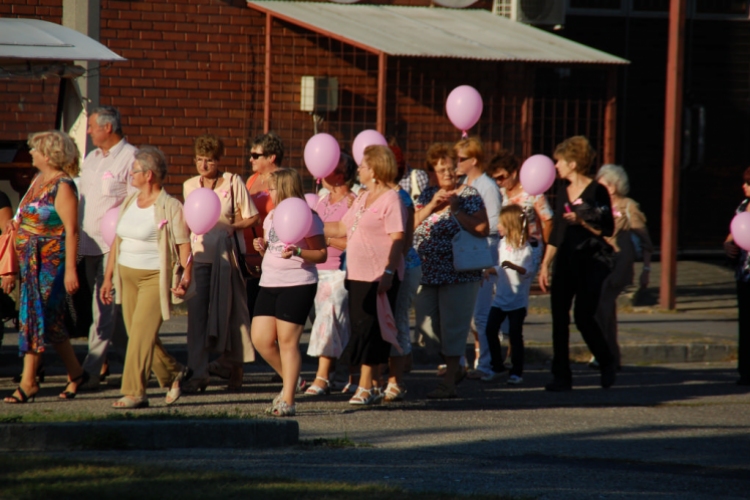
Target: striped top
column 104, row 183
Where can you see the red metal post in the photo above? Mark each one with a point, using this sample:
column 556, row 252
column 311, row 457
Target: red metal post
column 610, row 117
column 672, row 143
column 382, row 75
column 267, row 79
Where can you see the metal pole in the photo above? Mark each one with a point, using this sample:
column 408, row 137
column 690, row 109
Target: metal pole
column 672, row 144
column 267, row 79
column 382, row 68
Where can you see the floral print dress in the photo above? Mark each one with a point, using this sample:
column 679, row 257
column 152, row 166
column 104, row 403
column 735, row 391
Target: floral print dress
column 433, row 239
column 40, row 245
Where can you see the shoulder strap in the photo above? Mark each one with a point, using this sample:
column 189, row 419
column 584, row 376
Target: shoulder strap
column 231, row 191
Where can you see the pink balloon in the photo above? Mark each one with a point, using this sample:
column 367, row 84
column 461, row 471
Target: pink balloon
column 464, row 107
column 312, row 200
column 322, row 153
column 537, row 174
column 366, row 138
column 740, row 229
column 292, row 219
column 108, row 225
column 202, row 210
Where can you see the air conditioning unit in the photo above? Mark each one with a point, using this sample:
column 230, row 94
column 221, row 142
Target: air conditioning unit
column 319, row 93
column 531, row 11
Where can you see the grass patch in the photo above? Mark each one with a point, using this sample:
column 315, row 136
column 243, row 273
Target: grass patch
column 50, row 416
column 33, row 477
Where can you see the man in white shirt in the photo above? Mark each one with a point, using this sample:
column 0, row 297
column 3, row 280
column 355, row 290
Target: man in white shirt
column 104, row 184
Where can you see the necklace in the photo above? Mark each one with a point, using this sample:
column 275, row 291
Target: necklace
column 40, row 184
column 215, row 181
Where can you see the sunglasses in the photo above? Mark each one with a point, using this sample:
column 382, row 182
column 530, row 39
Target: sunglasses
column 500, row 178
column 255, row 156
column 462, row 159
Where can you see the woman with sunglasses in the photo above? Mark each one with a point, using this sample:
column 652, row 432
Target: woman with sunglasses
column 470, row 164
column 741, row 259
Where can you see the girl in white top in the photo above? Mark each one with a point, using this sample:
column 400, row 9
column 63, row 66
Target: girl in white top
column 288, row 285
column 519, row 262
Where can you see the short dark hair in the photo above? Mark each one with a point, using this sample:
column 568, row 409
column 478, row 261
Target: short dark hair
column 437, row 152
column 272, row 145
column 746, row 175
column 506, row 160
column 209, row 145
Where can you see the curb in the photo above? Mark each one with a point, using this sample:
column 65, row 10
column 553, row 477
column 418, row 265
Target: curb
column 148, row 435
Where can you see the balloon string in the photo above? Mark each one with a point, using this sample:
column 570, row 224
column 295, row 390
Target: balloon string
column 464, row 134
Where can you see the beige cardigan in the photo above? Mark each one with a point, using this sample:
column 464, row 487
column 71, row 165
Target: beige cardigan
column 171, row 231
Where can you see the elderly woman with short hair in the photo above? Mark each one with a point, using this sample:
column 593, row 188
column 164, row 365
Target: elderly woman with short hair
column 630, row 224
column 445, row 301
column 152, row 238
column 218, row 314
column 374, row 230
column 46, row 243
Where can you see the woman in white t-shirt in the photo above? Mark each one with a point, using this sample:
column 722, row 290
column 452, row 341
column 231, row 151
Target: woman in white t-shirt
column 152, row 238
column 288, row 283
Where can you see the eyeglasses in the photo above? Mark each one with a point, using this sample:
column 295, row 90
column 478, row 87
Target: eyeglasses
column 500, row 178
column 255, row 156
column 462, row 159
column 445, row 171
column 133, row 172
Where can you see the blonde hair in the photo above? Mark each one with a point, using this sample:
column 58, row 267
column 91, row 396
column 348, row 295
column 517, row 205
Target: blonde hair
column 577, row 149
column 513, row 219
column 59, row 149
column 382, row 161
column 473, row 148
column 288, row 184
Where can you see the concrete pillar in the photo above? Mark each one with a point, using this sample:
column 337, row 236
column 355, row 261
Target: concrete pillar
column 84, row 17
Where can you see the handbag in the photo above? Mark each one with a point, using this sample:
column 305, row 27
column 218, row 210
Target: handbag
column 241, row 262
column 8, row 257
column 470, row 253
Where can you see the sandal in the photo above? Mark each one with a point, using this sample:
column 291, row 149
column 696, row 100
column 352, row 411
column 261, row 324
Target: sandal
column 349, row 388
column 275, row 402
column 174, row 393
column 219, row 369
column 363, row 397
column 441, row 370
column 316, row 390
column 301, row 385
column 130, row 403
column 24, row 398
column 80, row 380
column 394, row 392
column 443, row 391
column 283, row 409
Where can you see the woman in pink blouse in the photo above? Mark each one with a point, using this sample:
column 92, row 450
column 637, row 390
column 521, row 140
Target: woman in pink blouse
column 374, row 228
column 330, row 331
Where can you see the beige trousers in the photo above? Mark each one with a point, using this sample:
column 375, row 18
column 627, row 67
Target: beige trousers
column 141, row 310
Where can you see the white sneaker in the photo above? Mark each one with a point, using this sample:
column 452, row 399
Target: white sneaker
column 514, row 380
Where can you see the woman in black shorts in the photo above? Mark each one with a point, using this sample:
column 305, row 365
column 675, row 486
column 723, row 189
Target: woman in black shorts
column 288, row 285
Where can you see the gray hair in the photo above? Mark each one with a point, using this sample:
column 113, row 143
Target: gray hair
column 151, row 158
column 108, row 115
column 615, row 176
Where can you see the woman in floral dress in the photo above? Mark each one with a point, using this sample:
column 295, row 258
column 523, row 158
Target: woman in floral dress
column 47, row 231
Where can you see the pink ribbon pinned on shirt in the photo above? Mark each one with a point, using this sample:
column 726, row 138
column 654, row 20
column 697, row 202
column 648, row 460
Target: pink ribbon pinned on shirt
column 616, row 213
column 578, row 202
column 162, row 223
column 388, row 330
column 225, row 193
column 107, row 175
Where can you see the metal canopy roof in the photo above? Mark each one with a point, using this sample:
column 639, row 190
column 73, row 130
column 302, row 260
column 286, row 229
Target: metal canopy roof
column 33, row 39
column 434, row 32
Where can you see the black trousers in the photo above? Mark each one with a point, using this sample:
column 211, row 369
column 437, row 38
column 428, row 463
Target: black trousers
column 368, row 346
column 515, row 332
column 743, row 348
column 582, row 281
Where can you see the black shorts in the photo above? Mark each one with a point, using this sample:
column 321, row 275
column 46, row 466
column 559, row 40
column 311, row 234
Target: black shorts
column 287, row 303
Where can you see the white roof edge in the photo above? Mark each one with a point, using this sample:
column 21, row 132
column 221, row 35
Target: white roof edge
column 34, row 39
column 410, row 31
